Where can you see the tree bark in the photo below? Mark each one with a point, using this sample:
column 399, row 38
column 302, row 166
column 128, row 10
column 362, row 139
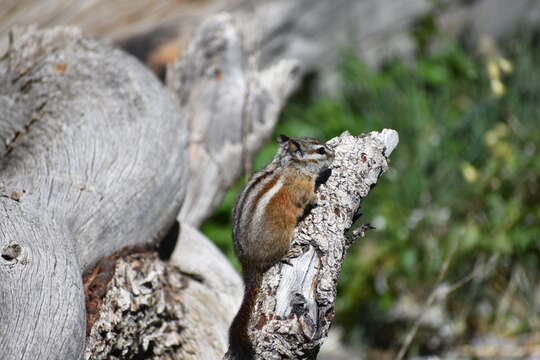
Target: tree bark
column 86, row 170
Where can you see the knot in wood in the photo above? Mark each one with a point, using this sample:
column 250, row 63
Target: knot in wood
column 11, row 252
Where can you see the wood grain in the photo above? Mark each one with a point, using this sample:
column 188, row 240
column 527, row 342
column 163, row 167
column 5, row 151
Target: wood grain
column 94, row 148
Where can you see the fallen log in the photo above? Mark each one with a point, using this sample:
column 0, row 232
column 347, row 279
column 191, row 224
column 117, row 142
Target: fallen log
column 93, row 161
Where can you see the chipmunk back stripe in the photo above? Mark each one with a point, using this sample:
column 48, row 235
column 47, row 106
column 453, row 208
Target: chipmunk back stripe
column 240, row 202
column 242, row 219
column 259, row 204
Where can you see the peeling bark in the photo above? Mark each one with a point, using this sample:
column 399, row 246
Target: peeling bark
column 141, row 282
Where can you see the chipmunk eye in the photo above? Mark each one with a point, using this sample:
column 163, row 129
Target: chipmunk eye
column 321, row 151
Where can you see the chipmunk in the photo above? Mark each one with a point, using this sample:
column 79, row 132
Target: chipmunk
column 265, row 216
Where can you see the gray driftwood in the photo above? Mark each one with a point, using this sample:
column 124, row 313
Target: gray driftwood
column 92, row 161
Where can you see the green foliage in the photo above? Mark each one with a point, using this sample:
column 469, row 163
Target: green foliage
column 466, row 170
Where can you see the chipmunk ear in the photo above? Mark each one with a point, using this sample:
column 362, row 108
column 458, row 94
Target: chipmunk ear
column 282, row 139
column 295, row 148
column 289, row 144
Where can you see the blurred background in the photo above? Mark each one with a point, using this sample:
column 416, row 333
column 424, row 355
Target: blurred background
column 453, row 268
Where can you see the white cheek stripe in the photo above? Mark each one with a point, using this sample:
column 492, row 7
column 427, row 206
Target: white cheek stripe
column 314, row 156
column 263, row 202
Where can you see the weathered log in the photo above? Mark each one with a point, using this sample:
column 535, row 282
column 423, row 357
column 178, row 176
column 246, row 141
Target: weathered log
column 93, row 161
column 158, row 310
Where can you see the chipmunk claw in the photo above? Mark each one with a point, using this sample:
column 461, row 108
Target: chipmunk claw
column 293, row 252
column 287, row 261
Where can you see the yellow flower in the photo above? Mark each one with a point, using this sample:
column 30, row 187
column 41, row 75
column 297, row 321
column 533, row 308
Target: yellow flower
column 469, row 172
column 493, row 70
column 499, row 131
column 505, row 65
column 497, row 87
column 502, row 150
column 494, row 66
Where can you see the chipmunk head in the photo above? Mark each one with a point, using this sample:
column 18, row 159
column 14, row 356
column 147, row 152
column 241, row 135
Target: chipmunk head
column 306, row 154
